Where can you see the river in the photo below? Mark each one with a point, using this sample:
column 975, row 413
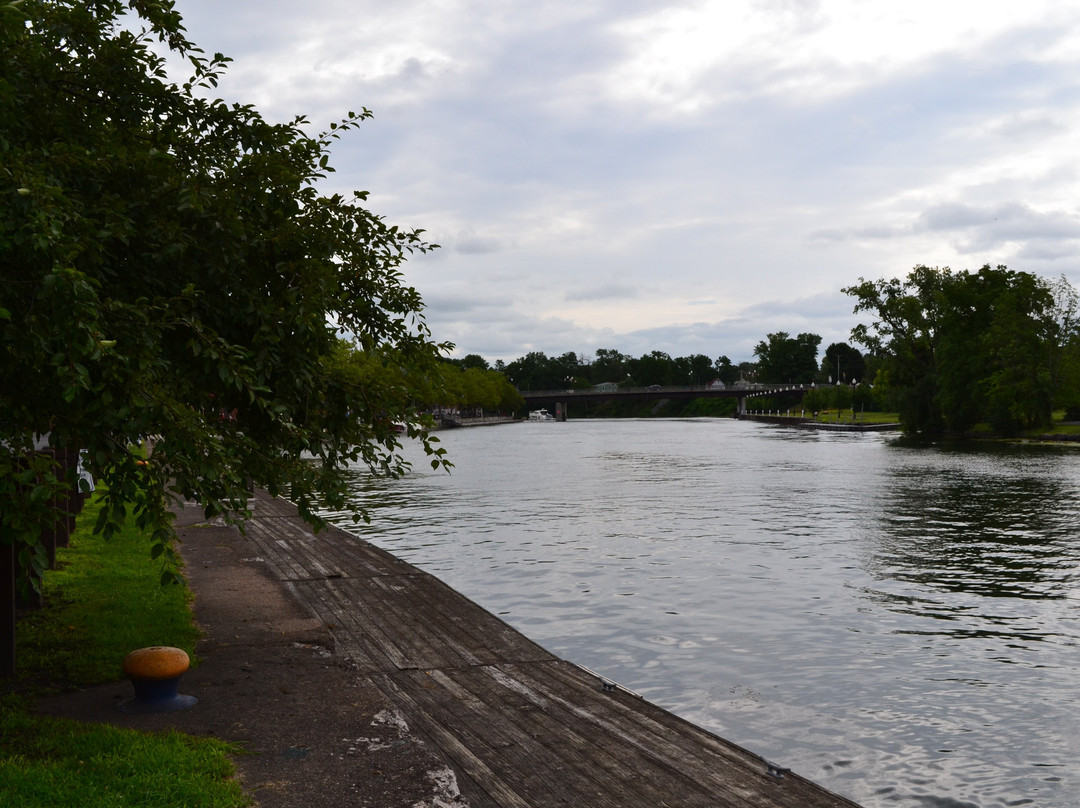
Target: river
column 898, row 623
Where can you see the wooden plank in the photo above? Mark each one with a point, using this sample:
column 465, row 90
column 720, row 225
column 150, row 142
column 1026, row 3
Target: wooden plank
column 363, row 641
column 736, row 773
column 333, row 551
column 623, row 758
column 575, row 770
column 590, row 770
column 266, row 505
column 394, row 622
column 510, row 754
column 358, row 556
column 276, row 553
column 406, row 618
column 474, row 637
column 488, row 638
column 482, row 787
column 646, row 719
column 467, row 634
column 631, row 726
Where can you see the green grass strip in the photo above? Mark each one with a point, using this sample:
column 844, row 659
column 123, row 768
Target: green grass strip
column 102, row 601
column 59, row 762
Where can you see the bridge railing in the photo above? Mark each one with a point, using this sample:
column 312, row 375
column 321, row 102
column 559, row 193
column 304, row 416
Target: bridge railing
column 703, row 388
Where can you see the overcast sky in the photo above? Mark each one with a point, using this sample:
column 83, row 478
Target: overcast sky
column 679, row 176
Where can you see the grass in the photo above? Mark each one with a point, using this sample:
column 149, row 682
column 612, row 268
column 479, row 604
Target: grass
column 1057, row 427
column 102, row 601
column 829, row 417
column 61, row 763
column 846, row 417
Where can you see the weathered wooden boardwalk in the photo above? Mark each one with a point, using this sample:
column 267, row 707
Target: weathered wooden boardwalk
column 519, row 726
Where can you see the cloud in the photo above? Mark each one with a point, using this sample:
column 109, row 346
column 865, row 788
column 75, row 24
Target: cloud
column 980, row 229
column 686, row 176
column 606, row 291
column 470, row 243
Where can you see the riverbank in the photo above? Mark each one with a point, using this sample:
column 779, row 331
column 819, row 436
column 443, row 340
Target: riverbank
column 458, row 422
column 310, row 732
column 825, row 426
column 359, row 679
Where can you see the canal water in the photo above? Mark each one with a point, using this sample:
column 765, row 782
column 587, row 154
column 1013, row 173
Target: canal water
column 899, row 623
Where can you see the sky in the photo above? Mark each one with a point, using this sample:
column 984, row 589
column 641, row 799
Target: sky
column 686, row 177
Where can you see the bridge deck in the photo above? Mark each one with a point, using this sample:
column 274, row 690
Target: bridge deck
column 519, row 726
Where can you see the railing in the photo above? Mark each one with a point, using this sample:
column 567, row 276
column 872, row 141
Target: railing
column 749, row 388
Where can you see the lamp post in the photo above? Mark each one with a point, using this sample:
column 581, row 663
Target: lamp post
column 837, row 387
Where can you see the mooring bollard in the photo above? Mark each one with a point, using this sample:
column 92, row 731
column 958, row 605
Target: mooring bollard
column 155, row 674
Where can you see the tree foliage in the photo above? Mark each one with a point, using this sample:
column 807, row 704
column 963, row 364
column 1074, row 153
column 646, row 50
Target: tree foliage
column 726, row 372
column 783, row 358
column 171, row 270
column 537, row 371
column 961, row 348
column 476, row 387
column 842, row 364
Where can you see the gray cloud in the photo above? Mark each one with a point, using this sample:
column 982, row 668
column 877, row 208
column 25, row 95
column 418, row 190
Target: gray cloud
column 590, row 190
column 470, row 243
column 604, row 291
column 977, row 229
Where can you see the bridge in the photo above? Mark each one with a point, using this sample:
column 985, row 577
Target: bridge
column 560, row 400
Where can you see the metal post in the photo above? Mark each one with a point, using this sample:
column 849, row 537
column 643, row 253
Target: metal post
column 7, row 610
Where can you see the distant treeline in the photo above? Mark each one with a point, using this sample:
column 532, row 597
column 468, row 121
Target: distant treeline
column 780, row 359
column 946, row 350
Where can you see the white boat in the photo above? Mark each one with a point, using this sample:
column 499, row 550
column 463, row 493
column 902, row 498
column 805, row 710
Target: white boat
column 541, row 415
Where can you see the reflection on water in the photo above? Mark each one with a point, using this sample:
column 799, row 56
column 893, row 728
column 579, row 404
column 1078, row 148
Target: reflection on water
column 898, row 623
column 963, row 525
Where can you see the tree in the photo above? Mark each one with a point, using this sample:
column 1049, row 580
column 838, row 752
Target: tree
column 566, row 369
column 170, row 270
column 1064, row 345
column 693, row 369
column 904, row 336
column 655, row 367
column 608, row 366
column 725, row 370
column 472, row 361
column 843, row 364
column 531, row 372
column 470, row 388
column 786, row 359
column 957, row 349
column 1014, row 381
column 748, row 372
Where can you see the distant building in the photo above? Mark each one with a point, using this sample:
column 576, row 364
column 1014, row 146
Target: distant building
column 716, row 384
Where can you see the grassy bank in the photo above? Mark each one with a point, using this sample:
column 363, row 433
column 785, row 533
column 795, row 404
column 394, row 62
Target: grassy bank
column 102, row 601
column 847, row 417
column 1059, row 428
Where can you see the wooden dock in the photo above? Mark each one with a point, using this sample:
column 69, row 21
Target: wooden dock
column 520, row 727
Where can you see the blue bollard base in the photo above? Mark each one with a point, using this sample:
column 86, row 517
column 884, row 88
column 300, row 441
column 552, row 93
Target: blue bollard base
column 168, row 705
column 156, row 696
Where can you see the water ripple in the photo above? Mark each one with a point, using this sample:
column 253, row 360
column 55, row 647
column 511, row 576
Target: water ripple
column 897, row 623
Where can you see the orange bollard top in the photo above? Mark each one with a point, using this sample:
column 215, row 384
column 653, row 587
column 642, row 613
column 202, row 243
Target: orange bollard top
column 156, row 662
